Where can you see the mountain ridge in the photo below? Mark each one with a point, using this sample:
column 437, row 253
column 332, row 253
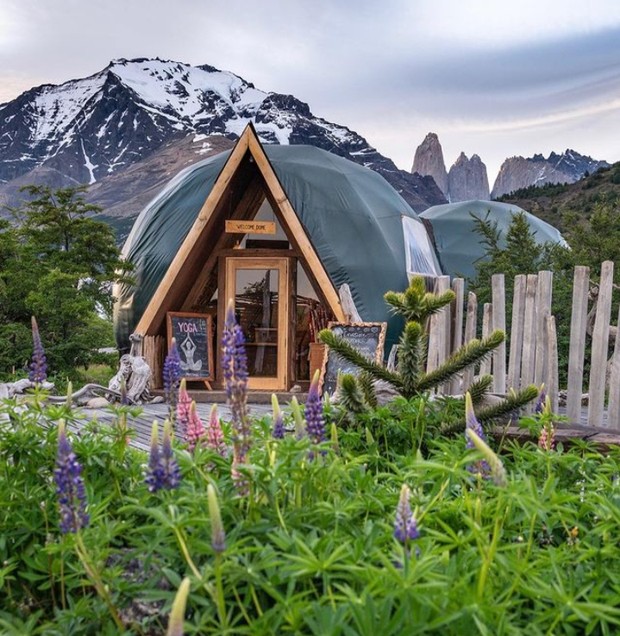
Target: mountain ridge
column 88, row 129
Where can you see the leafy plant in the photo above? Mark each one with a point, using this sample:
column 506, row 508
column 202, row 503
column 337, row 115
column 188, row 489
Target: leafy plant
column 318, row 547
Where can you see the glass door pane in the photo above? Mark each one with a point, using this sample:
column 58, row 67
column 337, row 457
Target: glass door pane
column 261, row 291
column 256, row 307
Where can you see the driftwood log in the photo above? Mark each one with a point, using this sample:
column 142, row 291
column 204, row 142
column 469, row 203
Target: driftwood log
column 134, row 373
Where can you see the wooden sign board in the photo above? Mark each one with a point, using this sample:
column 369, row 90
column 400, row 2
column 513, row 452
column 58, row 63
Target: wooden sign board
column 193, row 334
column 367, row 337
column 250, row 227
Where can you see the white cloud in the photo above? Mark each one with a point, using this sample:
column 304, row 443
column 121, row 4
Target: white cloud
column 490, row 77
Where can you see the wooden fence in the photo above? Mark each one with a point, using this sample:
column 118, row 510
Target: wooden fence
column 533, row 353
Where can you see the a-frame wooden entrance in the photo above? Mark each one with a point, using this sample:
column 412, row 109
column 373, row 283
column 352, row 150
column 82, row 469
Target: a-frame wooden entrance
column 256, row 264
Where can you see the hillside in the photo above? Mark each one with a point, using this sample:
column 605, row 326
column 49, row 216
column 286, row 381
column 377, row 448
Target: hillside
column 552, row 202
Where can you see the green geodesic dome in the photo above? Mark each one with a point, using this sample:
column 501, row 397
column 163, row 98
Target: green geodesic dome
column 352, row 215
column 460, row 247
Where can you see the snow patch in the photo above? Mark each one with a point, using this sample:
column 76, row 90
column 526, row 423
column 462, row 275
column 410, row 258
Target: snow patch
column 90, row 166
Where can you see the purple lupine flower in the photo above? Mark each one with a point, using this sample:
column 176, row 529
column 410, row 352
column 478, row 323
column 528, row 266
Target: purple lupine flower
column 315, row 424
column 38, row 366
column 69, row 486
column 405, row 525
column 480, row 467
column 277, row 430
column 195, row 430
column 163, row 470
column 184, row 403
column 172, row 472
column 215, row 436
column 235, row 367
column 540, row 402
column 154, row 473
column 172, row 374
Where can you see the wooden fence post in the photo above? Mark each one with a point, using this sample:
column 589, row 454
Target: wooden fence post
column 516, row 333
column 600, row 345
column 470, row 334
column 577, row 346
column 458, row 287
column 529, row 332
column 613, row 407
column 438, row 327
column 543, row 309
column 499, row 322
column 487, row 321
column 551, row 371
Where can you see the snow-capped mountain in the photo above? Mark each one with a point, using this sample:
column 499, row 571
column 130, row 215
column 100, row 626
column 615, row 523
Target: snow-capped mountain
column 519, row 172
column 87, row 130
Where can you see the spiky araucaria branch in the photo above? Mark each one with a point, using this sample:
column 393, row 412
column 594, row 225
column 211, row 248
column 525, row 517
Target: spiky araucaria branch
column 350, row 353
column 415, row 303
column 479, row 388
column 512, row 402
column 412, row 349
column 474, row 351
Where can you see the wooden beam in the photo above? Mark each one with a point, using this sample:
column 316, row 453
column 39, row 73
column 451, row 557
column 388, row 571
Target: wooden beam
column 151, row 319
column 295, row 231
column 247, row 207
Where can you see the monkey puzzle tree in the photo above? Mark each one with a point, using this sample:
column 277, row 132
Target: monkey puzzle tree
column 409, row 378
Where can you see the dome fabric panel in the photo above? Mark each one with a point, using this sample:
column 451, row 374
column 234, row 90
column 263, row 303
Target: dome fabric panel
column 352, row 216
column 460, row 247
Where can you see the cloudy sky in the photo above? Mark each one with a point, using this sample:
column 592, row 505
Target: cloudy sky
column 493, row 78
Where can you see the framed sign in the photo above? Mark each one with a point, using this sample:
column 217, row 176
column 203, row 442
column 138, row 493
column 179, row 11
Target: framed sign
column 367, row 337
column 193, row 335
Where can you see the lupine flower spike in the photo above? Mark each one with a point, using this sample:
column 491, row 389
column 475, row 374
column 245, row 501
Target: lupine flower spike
column 546, row 440
column 38, row 366
column 405, row 525
column 215, row 436
column 172, row 375
column 300, row 427
column 218, row 536
column 480, row 467
column 315, row 424
column 184, row 403
column 497, row 470
column 277, row 430
column 69, row 486
column 172, row 472
column 163, row 470
column 235, row 367
column 177, row 613
column 154, row 471
column 195, row 430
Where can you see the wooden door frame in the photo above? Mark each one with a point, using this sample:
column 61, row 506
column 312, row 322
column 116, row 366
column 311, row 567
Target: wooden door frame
column 228, row 265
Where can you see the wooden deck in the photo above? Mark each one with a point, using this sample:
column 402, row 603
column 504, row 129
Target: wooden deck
column 142, row 424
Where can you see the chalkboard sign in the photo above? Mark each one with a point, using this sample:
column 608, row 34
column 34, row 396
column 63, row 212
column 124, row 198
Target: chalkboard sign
column 192, row 333
column 367, row 337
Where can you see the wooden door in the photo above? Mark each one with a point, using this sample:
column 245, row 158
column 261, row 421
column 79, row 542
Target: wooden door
column 261, row 291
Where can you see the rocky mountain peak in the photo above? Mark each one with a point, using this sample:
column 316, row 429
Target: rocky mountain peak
column 519, row 172
column 468, row 179
column 429, row 161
